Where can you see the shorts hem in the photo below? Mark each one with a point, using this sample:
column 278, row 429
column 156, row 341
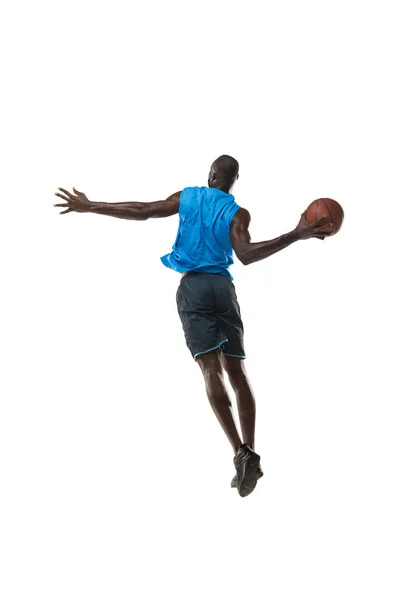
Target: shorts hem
column 209, row 349
column 236, row 355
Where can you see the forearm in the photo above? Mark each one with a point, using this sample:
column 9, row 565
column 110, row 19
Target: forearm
column 122, row 210
column 260, row 250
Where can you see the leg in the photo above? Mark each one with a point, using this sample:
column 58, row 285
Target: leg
column 244, row 396
column 218, row 396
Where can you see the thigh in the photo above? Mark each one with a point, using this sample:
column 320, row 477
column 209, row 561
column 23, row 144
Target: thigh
column 229, row 318
column 226, row 303
column 196, row 303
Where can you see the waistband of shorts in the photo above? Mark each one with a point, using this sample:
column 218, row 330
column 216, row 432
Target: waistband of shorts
column 203, row 273
column 210, row 276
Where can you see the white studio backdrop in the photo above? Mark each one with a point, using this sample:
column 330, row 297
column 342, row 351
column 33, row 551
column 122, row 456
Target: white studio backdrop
column 115, row 472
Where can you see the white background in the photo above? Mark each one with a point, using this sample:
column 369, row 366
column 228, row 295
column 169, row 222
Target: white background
column 115, row 474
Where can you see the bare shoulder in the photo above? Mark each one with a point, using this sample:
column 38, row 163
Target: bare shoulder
column 162, row 208
column 241, row 219
column 175, row 196
column 240, row 235
column 173, row 202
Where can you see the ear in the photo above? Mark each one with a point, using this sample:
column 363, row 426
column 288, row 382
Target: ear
column 237, row 176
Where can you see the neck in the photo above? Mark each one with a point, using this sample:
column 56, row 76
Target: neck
column 224, row 187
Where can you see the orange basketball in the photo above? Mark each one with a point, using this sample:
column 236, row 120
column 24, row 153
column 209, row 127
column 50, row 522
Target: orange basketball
column 326, row 207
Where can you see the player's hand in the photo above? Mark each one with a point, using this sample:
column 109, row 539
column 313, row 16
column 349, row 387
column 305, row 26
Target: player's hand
column 77, row 203
column 317, row 229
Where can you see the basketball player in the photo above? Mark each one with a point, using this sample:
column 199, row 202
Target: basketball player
column 211, row 224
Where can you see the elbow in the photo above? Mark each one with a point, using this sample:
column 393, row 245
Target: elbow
column 142, row 212
column 245, row 260
column 247, row 255
column 243, row 254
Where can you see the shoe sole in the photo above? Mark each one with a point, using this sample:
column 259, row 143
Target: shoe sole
column 258, row 476
column 249, row 479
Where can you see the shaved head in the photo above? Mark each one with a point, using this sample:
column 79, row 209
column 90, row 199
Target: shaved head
column 223, row 173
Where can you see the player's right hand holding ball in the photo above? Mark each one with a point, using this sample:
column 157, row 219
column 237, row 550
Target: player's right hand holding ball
column 319, row 228
column 321, row 218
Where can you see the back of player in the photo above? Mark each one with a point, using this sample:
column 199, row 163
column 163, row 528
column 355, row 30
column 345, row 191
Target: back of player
column 203, row 240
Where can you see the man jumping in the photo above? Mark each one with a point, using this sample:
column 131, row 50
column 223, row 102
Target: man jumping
column 211, row 225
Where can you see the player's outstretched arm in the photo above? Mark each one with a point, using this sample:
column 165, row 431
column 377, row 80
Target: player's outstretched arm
column 138, row 211
column 248, row 252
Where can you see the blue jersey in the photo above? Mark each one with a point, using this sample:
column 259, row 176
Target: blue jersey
column 203, row 241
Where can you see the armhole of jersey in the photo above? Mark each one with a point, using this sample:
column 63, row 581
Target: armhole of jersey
column 181, row 202
column 235, row 210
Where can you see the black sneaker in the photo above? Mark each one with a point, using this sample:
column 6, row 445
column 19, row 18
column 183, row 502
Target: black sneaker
column 259, row 474
column 246, row 462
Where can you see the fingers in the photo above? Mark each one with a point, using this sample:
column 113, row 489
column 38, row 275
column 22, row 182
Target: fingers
column 61, row 205
column 76, row 192
column 63, row 212
column 66, row 192
column 326, row 228
column 323, row 232
column 61, row 196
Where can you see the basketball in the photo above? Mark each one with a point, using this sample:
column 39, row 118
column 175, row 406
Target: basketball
column 326, row 207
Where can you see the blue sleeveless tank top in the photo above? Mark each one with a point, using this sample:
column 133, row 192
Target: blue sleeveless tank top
column 203, row 241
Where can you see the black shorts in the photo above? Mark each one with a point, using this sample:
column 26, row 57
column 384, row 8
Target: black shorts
column 210, row 314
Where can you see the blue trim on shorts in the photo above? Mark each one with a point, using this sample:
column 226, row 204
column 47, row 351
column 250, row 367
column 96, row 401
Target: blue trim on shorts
column 236, row 355
column 209, row 349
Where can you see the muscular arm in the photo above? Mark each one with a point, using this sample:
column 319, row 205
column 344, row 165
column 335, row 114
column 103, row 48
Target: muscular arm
column 138, row 211
column 248, row 252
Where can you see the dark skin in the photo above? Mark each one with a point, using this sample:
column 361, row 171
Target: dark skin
column 212, row 364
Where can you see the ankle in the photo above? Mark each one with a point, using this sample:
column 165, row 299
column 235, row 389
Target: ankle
column 242, row 446
column 249, row 445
